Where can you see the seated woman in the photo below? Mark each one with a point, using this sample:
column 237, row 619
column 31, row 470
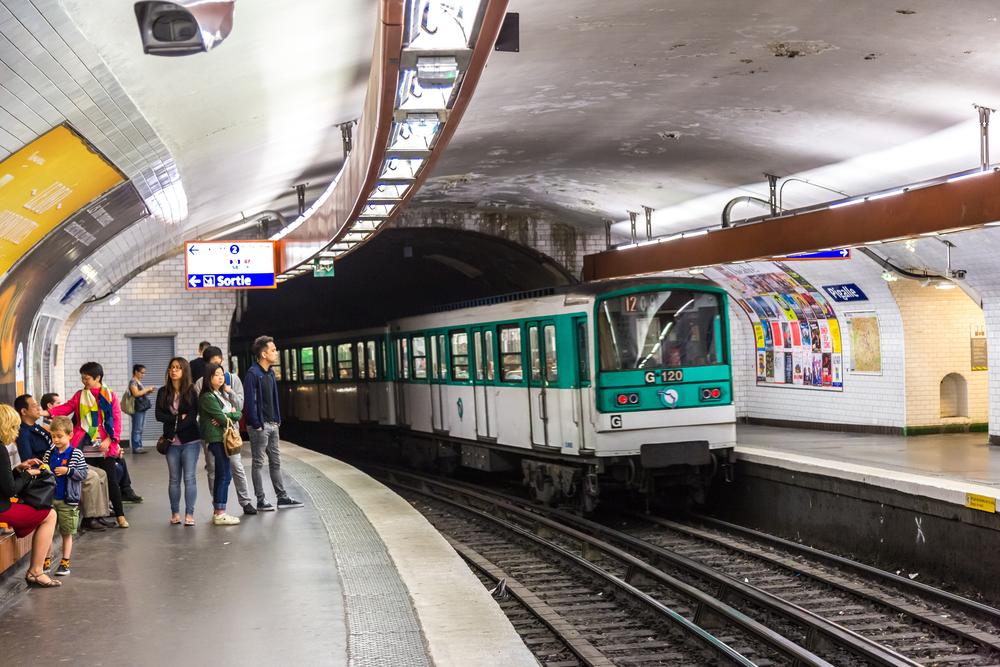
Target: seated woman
column 24, row 519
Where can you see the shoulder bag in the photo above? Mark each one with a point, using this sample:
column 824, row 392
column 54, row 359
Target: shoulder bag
column 128, row 401
column 231, row 438
column 36, row 491
column 163, row 442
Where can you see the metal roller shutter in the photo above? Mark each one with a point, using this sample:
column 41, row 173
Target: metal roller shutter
column 153, row 352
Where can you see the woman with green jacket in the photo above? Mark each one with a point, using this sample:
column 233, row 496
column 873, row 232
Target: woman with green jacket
column 214, row 408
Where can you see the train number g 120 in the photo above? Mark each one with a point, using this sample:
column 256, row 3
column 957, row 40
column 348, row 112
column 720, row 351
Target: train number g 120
column 666, row 375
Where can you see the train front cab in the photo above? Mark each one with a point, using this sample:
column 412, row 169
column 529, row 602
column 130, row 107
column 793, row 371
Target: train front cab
column 664, row 406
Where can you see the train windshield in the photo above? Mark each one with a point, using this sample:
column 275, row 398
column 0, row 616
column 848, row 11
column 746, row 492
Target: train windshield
column 664, row 329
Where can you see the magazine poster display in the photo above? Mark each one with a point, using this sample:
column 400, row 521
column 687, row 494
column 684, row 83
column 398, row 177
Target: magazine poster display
column 797, row 335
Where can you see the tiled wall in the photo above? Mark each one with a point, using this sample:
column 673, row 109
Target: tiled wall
column 867, row 400
column 938, row 325
column 153, row 303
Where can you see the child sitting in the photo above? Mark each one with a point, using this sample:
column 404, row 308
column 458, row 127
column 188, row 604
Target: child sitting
column 70, row 469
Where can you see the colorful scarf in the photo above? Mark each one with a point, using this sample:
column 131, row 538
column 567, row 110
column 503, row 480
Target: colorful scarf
column 89, row 418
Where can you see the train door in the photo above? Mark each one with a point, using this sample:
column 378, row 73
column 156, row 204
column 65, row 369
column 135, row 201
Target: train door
column 436, row 384
column 581, row 398
column 540, row 360
column 364, row 400
column 402, row 377
column 483, row 379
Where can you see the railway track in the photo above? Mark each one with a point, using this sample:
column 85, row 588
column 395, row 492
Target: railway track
column 757, row 625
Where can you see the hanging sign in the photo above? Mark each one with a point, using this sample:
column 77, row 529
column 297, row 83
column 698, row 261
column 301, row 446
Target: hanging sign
column 836, row 253
column 214, row 265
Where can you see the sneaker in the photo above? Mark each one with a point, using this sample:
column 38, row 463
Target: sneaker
column 225, row 520
column 288, row 503
column 62, row 570
column 264, row 506
column 249, row 509
column 130, row 496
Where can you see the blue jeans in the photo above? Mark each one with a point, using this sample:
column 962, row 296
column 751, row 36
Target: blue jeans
column 183, row 459
column 223, row 475
column 138, row 421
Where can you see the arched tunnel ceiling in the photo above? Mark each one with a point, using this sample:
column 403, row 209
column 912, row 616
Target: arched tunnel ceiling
column 400, row 272
column 683, row 105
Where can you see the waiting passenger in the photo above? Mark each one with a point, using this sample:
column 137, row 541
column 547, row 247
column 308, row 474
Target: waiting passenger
column 47, row 401
column 263, row 420
column 70, row 469
column 23, row 518
column 32, row 440
column 214, row 409
column 233, row 389
column 140, row 394
column 98, row 422
column 177, row 409
column 198, row 363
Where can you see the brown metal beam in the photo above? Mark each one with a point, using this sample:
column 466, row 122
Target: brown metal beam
column 965, row 203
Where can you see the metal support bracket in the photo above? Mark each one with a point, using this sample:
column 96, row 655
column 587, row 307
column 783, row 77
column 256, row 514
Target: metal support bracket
column 632, row 215
column 984, row 135
column 649, row 222
column 607, row 233
column 772, row 196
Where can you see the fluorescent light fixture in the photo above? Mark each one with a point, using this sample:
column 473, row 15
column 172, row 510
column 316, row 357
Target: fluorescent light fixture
column 700, row 232
column 995, row 223
column 930, row 234
column 628, row 246
column 441, row 25
column 411, row 96
column 114, row 301
column 326, row 253
column 696, row 272
column 404, row 169
column 376, row 210
column 649, row 242
column 667, row 239
column 883, row 195
column 389, row 191
column 945, row 285
column 971, row 174
column 437, row 71
column 366, row 225
column 354, row 237
column 889, row 276
column 849, row 202
column 89, row 272
column 873, row 243
column 416, row 133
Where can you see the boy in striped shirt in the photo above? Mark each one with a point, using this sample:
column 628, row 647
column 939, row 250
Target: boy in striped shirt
column 70, row 468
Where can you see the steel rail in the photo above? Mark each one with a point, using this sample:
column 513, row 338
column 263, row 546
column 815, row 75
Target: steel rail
column 693, row 630
column 968, row 605
column 818, row 626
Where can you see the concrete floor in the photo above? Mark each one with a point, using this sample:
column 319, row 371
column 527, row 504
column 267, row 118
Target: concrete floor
column 957, row 456
column 266, row 592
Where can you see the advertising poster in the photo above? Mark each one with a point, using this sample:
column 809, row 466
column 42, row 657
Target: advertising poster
column 866, row 343
column 796, row 332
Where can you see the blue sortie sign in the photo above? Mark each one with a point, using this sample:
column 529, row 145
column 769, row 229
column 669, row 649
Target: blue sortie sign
column 231, row 280
column 836, row 253
column 846, row 292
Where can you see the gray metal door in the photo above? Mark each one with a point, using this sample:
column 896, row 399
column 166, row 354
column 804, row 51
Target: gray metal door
column 153, row 352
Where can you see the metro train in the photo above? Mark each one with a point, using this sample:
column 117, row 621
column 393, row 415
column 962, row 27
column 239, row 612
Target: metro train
column 625, row 383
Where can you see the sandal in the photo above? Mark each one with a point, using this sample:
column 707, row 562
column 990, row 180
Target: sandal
column 189, row 520
column 33, row 580
column 175, row 520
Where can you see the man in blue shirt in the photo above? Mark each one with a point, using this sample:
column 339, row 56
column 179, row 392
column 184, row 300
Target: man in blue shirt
column 32, row 440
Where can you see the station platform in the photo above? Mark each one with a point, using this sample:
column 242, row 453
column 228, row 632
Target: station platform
column 945, row 467
column 356, row 577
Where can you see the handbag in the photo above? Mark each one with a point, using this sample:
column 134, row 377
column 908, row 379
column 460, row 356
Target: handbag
column 36, row 491
column 231, row 438
column 142, row 403
column 128, row 402
column 163, row 442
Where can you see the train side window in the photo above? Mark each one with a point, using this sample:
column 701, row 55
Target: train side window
column 488, row 358
column 372, row 360
column 551, row 359
column 442, row 358
column 320, row 363
column 345, row 363
column 434, row 358
column 459, row 355
column 293, row 370
column 362, row 367
column 582, row 353
column 283, row 360
column 404, row 359
column 419, row 347
column 534, row 353
column 278, row 370
column 308, row 362
column 383, row 360
column 510, row 354
column 477, row 357
column 330, row 363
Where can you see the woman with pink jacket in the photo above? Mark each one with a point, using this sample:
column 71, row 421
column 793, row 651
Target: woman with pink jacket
column 97, row 425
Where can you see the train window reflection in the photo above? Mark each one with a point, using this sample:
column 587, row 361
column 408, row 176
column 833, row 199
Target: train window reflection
column 664, row 329
column 320, row 362
column 362, row 367
column 488, row 356
column 372, row 361
column 477, row 357
column 419, row 347
column 308, row 364
column 551, row 360
column 442, row 360
column 404, row 358
column 434, row 357
column 510, row 354
column 459, row 355
column 345, row 362
column 535, row 353
column 329, row 362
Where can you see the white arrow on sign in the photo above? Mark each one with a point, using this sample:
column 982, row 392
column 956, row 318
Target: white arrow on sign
column 843, row 253
column 193, row 281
